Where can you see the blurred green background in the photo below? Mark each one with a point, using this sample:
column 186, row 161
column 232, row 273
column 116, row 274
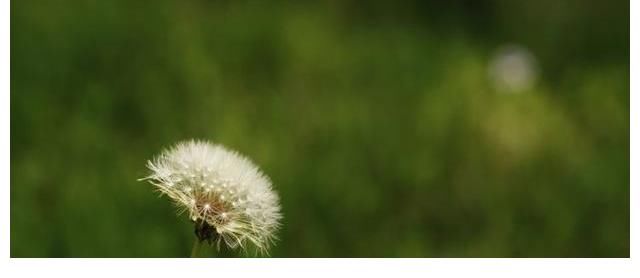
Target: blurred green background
column 382, row 124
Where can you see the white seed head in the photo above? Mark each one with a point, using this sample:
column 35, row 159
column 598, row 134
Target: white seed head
column 513, row 69
column 179, row 172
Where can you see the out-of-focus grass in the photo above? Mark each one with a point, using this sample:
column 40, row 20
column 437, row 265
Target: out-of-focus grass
column 377, row 125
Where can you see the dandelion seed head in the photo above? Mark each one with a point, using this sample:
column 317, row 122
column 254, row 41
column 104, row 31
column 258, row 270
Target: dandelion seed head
column 513, row 69
column 193, row 173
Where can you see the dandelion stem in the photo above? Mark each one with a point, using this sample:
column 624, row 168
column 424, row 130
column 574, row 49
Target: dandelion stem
column 196, row 248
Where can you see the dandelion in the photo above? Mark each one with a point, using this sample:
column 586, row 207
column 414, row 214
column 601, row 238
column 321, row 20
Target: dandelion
column 513, row 69
column 228, row 198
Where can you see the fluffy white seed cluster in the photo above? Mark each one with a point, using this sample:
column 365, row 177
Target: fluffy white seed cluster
column 221, row 188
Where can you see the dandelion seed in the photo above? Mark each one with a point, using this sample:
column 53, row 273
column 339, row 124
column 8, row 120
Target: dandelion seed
column 218, row 218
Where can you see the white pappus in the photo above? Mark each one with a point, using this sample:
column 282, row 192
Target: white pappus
column 225, row 194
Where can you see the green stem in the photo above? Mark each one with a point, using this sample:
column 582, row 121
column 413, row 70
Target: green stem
column 196, row 248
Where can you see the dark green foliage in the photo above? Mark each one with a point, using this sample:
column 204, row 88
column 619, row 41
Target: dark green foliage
column 376, row 123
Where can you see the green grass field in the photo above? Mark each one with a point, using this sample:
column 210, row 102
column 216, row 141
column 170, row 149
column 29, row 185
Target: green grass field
column 377, row 123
